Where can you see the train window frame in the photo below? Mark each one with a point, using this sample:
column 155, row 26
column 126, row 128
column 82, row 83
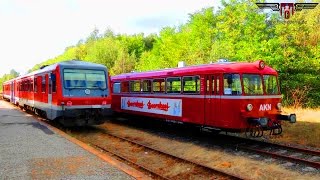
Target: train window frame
column 86, row 80
column 149, row 86
column 265, row 87
column 173, row 92
column 54, row 82
column 43, row 84
column 252, row 89
column 31, row 85
column 197, row 85
column 126, row 87
column 161, row 90
column 118, row 90
column 132, row 87
column 35, row 89
column 218, row 84
column 229, row 90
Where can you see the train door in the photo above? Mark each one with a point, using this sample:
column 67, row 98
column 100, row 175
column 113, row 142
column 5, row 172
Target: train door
column 49, row 86
column 212, row 100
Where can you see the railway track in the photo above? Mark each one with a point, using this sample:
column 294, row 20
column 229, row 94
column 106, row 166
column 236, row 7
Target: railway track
column 298, row 155
column 202, row 170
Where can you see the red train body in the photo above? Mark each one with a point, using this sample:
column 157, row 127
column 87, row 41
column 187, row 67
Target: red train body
column 227, row 96
column 73, row 92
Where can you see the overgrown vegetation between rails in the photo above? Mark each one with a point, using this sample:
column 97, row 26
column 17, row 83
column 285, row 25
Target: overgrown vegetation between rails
column 238, row 31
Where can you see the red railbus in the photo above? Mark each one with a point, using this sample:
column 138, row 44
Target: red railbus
column 229, row 96
column 74, row 92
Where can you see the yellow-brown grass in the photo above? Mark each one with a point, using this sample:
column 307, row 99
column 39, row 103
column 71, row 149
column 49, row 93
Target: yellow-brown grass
column 306, row 131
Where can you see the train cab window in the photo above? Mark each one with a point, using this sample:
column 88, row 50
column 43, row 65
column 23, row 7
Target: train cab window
column 232, row 84
column 158, row 86
column 124, row 86
column 146, row 85
column 135, row 86
column 116, row 87
column 84, row 78
column 43, row 84
column 252, row 84
column 173, row 85
column 191, row 84
column 271, row 85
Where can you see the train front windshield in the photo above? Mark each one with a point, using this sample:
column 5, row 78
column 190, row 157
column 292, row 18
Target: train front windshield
column 83, row 78
column 253, row 84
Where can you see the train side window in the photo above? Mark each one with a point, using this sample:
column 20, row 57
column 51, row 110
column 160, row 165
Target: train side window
column 232, row 84
column 25, row 85
column 218, row 85
column 191, row 84
column 116, row 87
column 35, row 85
column 50, row 87
column 173, row 85
column 158, row 86
column 54, row 83
column 135, row 86
column 213, row 84
column 31, row 85
column 124, row 86
column 43, row 84
column 146, row 85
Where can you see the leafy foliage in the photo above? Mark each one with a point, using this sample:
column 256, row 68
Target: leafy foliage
column 238, row 31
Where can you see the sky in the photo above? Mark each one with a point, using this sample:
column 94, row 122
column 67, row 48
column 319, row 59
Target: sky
column 33, row 31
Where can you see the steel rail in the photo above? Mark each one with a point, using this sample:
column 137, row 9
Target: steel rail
column 128, row 160
column 218, row 172
column 285, row 157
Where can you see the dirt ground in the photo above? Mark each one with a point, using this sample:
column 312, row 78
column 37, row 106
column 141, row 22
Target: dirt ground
column 306, row 131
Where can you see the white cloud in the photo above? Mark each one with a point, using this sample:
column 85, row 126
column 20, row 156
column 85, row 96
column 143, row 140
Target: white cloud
column 35, row 30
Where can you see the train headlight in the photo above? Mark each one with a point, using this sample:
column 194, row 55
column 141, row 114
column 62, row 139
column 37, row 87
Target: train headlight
column 261, row 64
column 249, row 107
column 279, row 106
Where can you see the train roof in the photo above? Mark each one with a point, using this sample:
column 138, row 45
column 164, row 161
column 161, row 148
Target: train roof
column 65, row 64
column 232, row 67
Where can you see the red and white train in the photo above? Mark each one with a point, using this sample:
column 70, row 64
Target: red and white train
column 229, row 96
column 74, row 92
